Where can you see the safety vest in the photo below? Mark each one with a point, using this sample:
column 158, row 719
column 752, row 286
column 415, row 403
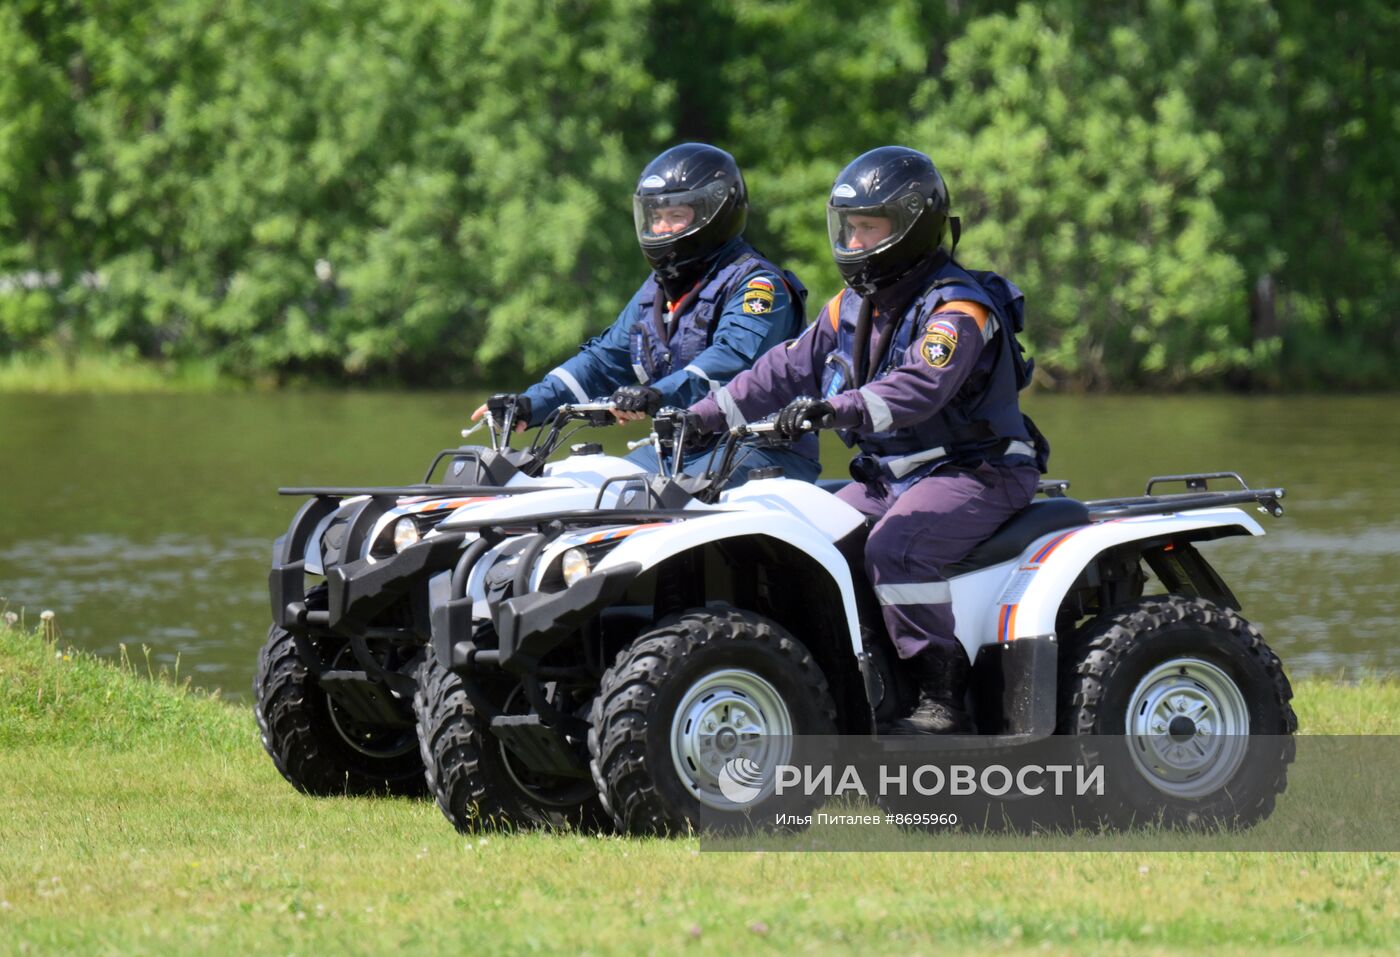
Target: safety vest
column 657, row 352
column 982, row 421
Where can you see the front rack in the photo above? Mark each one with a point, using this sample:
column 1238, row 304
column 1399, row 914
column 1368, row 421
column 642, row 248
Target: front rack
column 346, row 491
column 554, row 522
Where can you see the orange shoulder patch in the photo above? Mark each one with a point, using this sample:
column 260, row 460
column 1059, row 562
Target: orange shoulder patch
column 974, row 309
column 833, row 309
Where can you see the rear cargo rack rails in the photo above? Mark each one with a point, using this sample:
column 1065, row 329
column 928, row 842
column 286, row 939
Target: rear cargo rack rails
column 1197, row 496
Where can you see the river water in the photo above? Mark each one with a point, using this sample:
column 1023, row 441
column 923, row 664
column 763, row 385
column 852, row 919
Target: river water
column 148, row 520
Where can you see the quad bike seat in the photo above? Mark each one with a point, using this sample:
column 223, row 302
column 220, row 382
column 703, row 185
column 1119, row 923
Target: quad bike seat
column 1018, row 531
column 1036, row 519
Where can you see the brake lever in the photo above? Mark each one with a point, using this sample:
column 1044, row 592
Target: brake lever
column 490, row 421
column 508, row 425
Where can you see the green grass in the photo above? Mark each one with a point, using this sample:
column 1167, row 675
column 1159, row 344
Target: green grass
column 138, row 816
column 107, row 373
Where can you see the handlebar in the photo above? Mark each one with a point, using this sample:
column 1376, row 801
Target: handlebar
column 604, row 405
column 757, row 428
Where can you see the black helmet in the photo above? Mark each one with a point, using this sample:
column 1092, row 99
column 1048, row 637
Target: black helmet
column 892, row 183
column 708, row 182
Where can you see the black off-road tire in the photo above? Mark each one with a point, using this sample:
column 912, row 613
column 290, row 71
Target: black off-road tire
column 299, row 733
column 1117, row 651
column 467, row 772
column 629, row 740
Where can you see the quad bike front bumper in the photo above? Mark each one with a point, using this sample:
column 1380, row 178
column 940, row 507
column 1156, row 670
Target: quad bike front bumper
column 527, row 627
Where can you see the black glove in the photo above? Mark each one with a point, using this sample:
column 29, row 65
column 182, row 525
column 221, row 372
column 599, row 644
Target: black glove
column 816, row 411
column 669, row 423
column 637, row 398
column 501, row 401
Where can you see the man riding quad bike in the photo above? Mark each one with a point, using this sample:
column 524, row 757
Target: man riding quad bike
column 917, row 362
column 333, row 680
column 350, row 586
column 607, row 665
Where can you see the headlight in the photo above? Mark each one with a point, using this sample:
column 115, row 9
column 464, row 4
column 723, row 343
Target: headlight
column 574, row 565
column 405, row 533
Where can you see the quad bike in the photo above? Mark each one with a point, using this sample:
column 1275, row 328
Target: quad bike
column 608, row 664
column 335, row 677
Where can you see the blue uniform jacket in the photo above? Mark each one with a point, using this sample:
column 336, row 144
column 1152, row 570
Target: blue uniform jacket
column 748, row 325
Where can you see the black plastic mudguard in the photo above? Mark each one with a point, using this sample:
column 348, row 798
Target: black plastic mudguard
column 1014, row 687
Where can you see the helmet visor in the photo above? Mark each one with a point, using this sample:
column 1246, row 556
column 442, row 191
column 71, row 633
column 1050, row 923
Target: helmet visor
column 858, row 231
column 665, row 217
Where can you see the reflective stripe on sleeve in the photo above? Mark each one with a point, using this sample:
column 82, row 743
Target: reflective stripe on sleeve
column 881, row 418
column 700, row 373
column 732, row 416
column 915, row 593
column 566, row 377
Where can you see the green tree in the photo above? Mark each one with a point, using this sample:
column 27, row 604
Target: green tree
column 1085, row 173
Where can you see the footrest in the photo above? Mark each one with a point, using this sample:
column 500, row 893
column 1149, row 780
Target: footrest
column 365, row 700
column 540, row 747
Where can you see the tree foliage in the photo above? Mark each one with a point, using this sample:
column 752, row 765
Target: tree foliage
column 428, row 192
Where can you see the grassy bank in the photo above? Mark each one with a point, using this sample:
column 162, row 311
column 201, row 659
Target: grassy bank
column 137, row 816
column 109, row 374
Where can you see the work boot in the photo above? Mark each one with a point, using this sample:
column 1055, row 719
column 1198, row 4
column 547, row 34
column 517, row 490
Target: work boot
column 942, row 678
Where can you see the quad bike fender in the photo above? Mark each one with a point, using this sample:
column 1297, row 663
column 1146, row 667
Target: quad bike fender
column 1034, row 587
column 292, row 556
column 315, row 564
column 649, row 545
column 477, row 509
column 464, row 506
column 511, row 506
column 590, row 471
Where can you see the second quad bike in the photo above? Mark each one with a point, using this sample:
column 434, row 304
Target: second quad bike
column 335, row 677
column 605, row 665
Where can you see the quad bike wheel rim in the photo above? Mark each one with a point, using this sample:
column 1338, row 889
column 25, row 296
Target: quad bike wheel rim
column 374, row 742
column 733, row 718
column 541, row 789
column 1188, row 727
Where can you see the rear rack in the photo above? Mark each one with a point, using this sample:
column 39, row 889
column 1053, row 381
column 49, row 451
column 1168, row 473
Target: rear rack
column 1197, row 496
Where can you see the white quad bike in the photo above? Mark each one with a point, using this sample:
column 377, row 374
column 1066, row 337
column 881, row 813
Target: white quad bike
column 604, row 666
column 335, row 677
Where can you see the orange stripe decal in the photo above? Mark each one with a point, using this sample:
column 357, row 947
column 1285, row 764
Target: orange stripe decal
column 833, row 310
column 621, row 532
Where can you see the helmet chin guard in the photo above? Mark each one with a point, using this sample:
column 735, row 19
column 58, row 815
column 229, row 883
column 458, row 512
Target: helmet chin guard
column 689, row 201
column 888, row 210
